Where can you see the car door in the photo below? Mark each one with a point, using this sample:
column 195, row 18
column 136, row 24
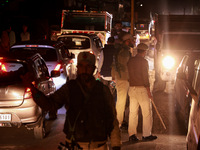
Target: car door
column 45, row 83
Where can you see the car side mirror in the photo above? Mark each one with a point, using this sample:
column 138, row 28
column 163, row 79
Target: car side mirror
column 181, row 75
column 55, row 73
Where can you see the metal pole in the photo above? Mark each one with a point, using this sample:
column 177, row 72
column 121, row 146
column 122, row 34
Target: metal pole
column 132, row 17
column 132, row 23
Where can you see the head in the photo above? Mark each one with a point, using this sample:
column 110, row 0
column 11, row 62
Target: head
column 111, row 40
column 142, row 49
column 118, row 26
column 85, row 66
column 24, row 27
column 128, row 40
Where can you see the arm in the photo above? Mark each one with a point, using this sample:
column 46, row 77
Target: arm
column 51, row 102
column 101, row 59
column 146, row 78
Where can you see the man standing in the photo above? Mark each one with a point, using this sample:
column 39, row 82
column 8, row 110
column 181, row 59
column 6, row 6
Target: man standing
column 106, row 60
column 91, row 116
column 140, row 95
column 120, row 75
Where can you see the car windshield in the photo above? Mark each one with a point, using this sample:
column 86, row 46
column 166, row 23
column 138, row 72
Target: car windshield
column 181, row 42
column 76, row 42
column 47, row 54
column 10, row 72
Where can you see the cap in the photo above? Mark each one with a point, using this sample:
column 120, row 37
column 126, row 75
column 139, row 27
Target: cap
column 127, row 37
column 86, row 56
column 142, row 46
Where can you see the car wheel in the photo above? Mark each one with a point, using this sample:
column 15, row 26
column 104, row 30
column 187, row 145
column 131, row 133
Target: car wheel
column 39, row 130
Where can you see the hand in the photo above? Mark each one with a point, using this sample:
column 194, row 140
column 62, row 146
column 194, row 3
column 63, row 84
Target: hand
column 116, row 148
column 27, row 79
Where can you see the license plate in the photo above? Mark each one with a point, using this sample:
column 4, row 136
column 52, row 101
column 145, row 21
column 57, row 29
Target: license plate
column 5, row 117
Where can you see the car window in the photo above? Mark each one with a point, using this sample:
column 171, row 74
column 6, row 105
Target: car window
column 47, row 54
column 11, row 71
column 76, row 42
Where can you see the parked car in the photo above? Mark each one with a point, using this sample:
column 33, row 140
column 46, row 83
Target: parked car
column 55, row 54
column 184, row 73
column 17, row 107
column 193, row 134
column 80, row 42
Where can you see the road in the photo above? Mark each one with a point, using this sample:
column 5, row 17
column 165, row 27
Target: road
column 173, row 138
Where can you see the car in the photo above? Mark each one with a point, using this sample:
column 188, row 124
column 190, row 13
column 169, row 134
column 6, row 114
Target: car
column 17, row 107
column 184, row 73
column 143, row 31
column 55, row 54
column 80, row 42
column 193, row 134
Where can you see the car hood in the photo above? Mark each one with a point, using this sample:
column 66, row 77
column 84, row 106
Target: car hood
column 11, row 95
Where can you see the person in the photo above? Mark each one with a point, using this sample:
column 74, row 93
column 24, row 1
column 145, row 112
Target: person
column 140, row 95
column 105, row 62
column 91, row 115
column 117, row 32
column 120, row 75
column 25, row 35
column 5, row 42
column 11, row 34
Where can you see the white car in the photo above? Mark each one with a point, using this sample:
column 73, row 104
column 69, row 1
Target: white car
column 193, row 135
column 55, row 54
column 80, row 42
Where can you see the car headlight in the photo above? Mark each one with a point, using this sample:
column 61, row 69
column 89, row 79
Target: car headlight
column 168, row 62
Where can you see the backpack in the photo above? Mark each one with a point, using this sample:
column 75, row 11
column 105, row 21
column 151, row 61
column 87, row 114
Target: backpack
column 89, row 117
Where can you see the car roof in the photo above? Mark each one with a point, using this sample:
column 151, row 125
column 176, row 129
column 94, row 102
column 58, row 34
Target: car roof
column 84, row 34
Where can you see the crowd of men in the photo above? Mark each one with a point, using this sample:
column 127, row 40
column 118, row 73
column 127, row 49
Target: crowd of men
column 94, row 113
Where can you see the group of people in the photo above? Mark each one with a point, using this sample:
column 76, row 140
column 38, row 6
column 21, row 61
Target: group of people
column 8, row 37
column 92, row 114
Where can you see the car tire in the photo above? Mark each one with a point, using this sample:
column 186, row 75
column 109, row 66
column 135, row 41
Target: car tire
column 39, row 130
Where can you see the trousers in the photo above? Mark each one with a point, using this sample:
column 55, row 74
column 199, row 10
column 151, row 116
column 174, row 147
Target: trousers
column 122, row 87
column 139, row 97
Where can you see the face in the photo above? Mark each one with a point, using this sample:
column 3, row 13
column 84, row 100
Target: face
column 118, row 26
column 85, row 71
column 129, row 43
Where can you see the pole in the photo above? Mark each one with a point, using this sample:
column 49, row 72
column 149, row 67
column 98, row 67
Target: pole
column 158, row 114
column 132, row 17
column 132, row 23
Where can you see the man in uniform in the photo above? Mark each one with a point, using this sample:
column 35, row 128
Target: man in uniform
column 140, row 95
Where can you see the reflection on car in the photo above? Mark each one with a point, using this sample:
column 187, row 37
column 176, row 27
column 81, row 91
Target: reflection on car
column 80, row 42
column 193, row 135
column 55, row 54
column 184, row 78
column 17, row 107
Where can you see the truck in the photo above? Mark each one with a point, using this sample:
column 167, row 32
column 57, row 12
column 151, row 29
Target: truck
column 176, row 35
column 82, row 21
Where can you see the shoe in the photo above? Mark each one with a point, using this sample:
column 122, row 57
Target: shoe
column 124, row 126
column 149, row 138
column 133, row 138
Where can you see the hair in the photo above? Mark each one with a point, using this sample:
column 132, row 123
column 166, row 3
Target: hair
column 111, row 40
column 140, row 51
column 118, row 22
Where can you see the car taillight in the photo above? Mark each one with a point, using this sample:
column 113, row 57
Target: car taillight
column 3, row 67
column 91, row 52
column 57, row 68
column 28, row 93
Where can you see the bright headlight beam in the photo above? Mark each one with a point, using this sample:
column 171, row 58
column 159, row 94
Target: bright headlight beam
column 168, row 62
